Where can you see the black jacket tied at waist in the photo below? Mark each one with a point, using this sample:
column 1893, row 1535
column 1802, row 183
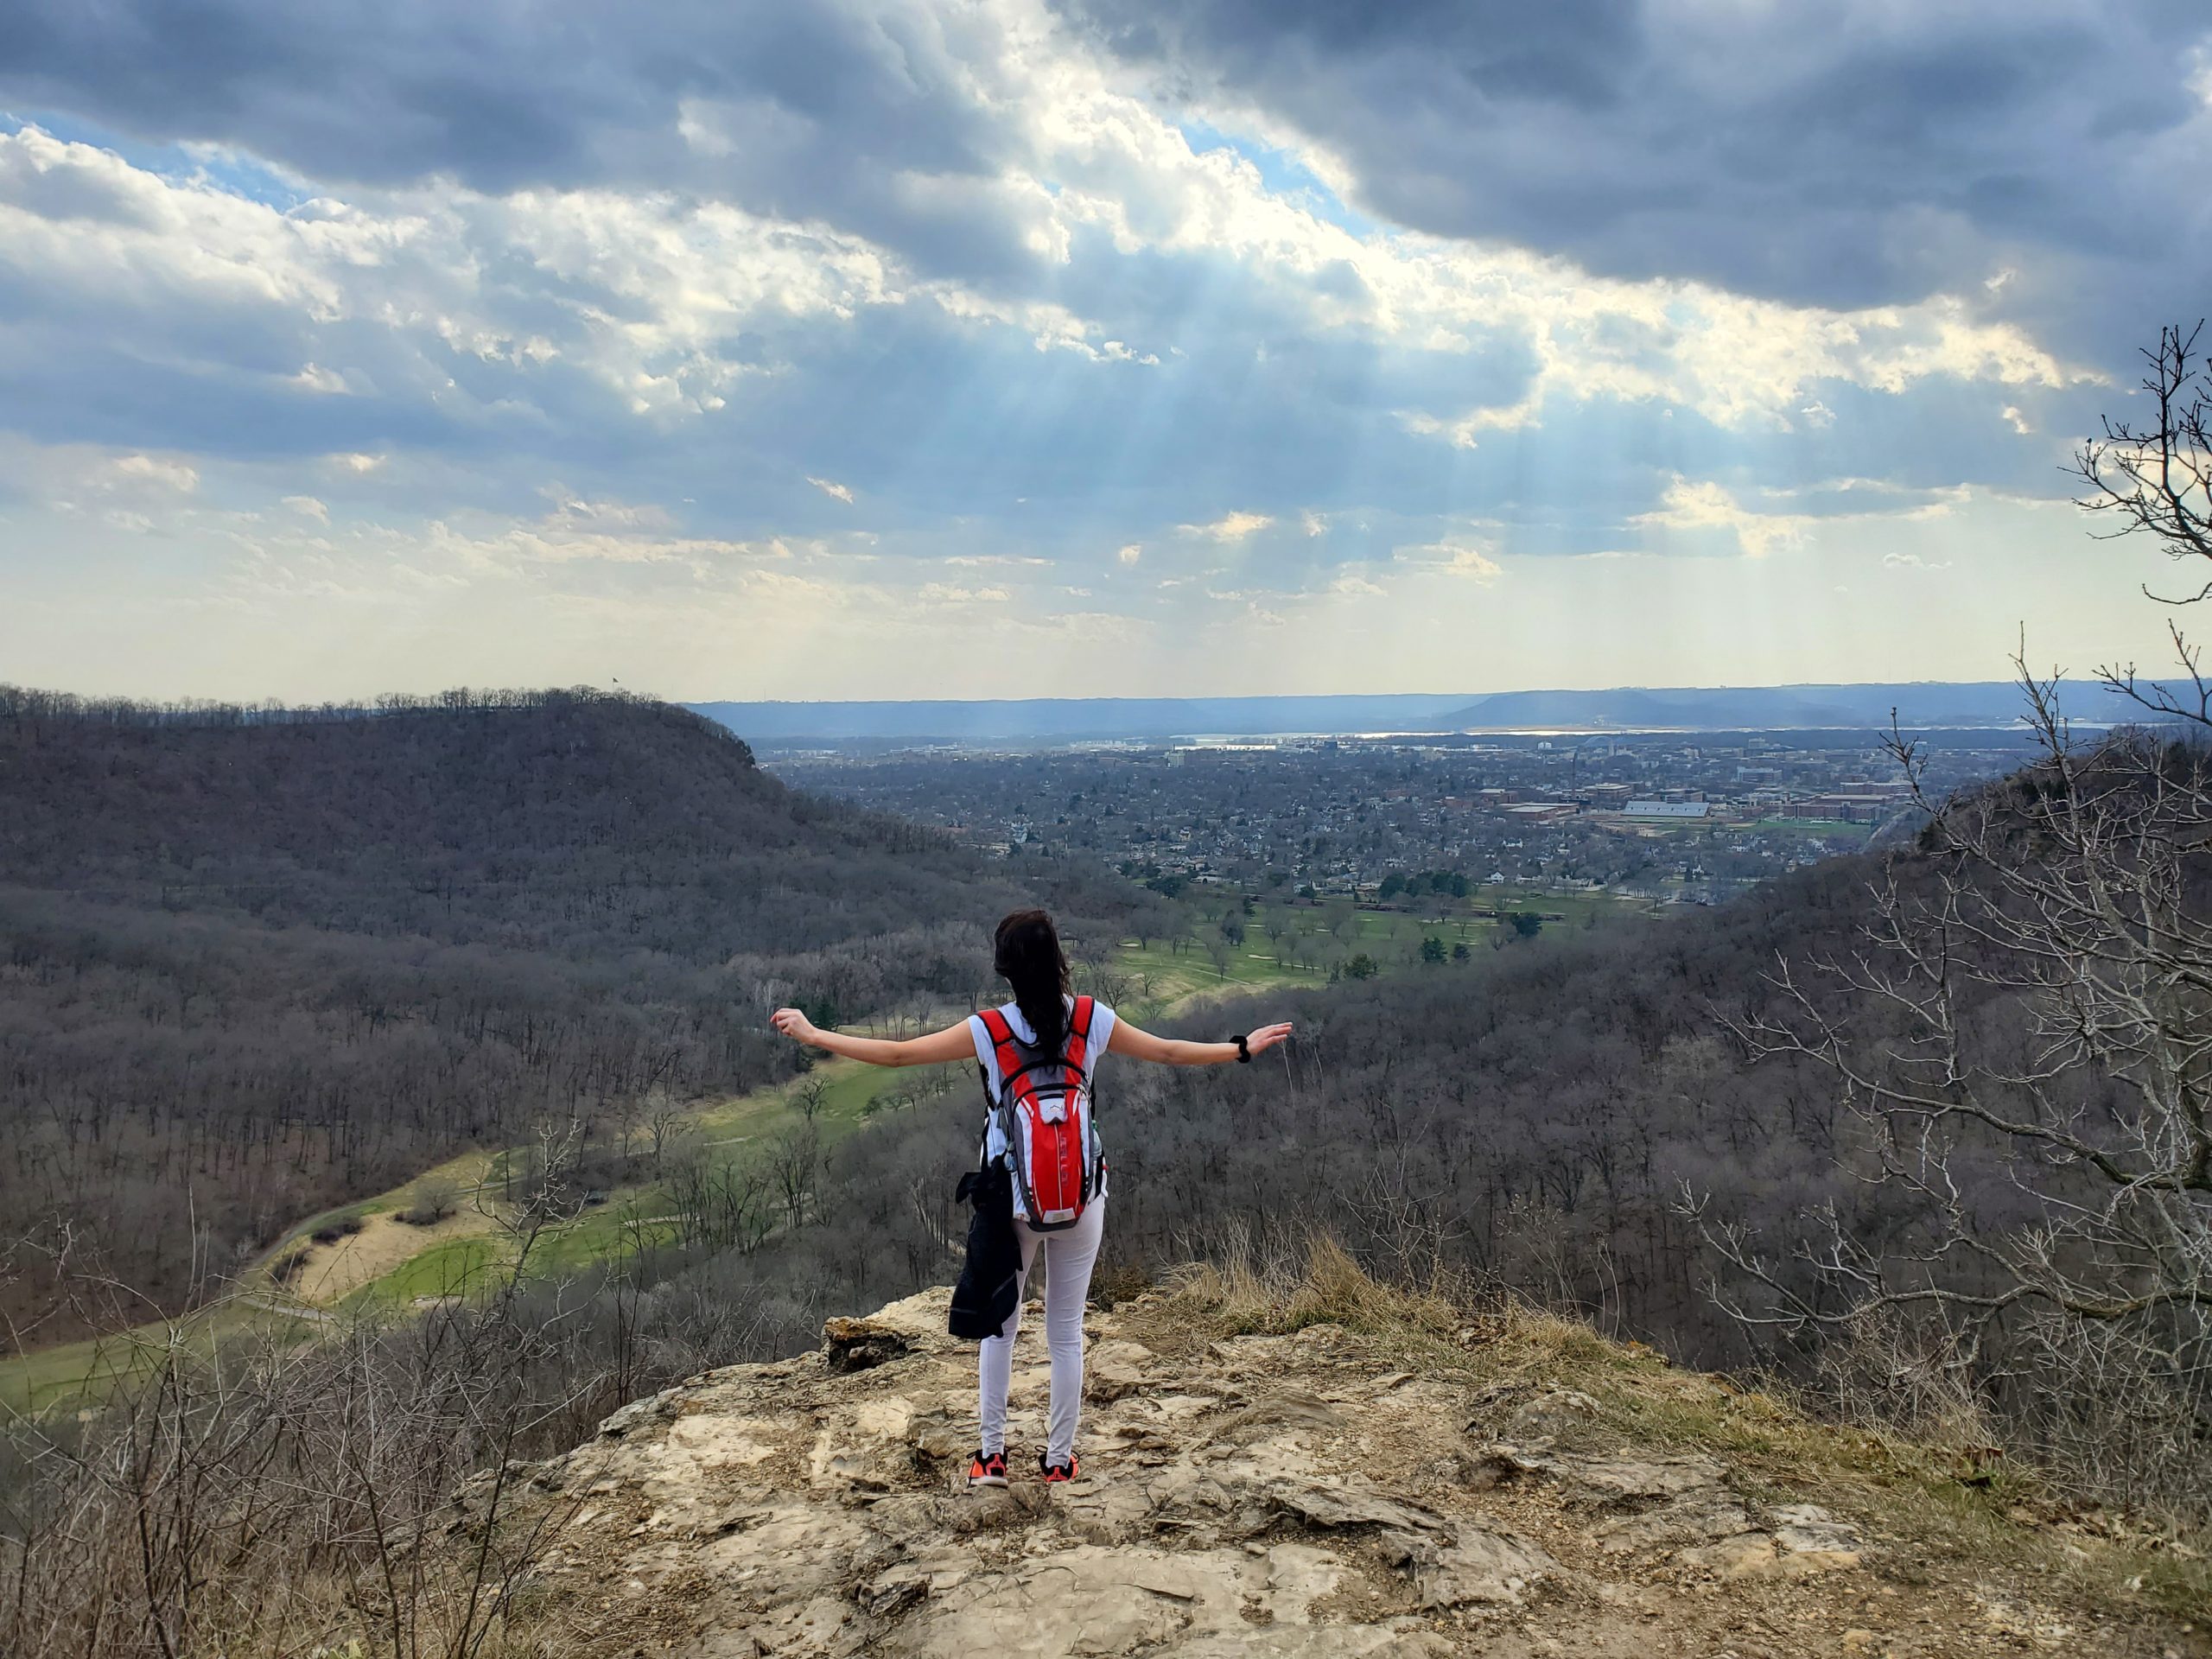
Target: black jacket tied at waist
column 990, row 1283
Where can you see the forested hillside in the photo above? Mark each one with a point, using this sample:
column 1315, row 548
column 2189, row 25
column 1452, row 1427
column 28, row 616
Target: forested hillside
column 255, row 961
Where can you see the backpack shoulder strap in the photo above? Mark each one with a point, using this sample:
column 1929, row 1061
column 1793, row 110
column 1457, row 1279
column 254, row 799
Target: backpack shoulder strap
column 1003, row 1046
column 1079, row 1049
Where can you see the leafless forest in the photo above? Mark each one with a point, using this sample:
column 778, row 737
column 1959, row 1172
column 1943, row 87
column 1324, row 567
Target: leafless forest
column 259, row 961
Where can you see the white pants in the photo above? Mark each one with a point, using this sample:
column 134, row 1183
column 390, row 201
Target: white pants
column 1068, row 1256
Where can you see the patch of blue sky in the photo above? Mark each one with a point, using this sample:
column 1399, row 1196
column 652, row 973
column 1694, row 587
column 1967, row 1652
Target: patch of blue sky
column 1283, row 173
column 248, row 176
column 226, row 169
column 70, row 130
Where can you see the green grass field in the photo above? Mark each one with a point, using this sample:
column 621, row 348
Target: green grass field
column 454, row 1267
column 84, row 1372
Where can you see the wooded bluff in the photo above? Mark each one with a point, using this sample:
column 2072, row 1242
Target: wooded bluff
column 254, row 963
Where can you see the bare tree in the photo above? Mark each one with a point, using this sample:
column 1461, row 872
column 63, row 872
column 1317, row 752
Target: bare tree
column 809, row 1094
column 431, row 1200
column 249, row 1491
column 664, row 1120
column 795, row 1163
column 2154, row 479
column 2034, row 998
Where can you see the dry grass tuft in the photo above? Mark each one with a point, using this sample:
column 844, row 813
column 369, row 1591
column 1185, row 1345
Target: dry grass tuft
column 1275, row 1291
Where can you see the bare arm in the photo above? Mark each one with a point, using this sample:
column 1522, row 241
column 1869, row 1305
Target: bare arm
column 1169, row 1051
column 953, row 1043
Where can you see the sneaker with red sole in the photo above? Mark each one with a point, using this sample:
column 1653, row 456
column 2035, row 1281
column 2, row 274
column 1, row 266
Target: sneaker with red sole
column 988, row 1469
column 1055, row 1474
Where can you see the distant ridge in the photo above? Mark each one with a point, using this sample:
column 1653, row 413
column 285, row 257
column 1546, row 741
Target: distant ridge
column 1995, row 702
column 1068, row 719
column 1051, row 720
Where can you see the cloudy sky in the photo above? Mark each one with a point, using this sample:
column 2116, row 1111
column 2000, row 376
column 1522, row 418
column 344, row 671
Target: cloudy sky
column 799, row 348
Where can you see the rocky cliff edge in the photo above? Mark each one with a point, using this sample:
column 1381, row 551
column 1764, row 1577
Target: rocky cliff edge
column 1307, row 1494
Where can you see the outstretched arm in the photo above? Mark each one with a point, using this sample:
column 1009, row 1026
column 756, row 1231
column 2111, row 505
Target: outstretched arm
column 1169, row 1051
column 953, row 1043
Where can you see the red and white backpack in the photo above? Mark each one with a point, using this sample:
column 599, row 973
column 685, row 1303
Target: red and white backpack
column 1044, row 1110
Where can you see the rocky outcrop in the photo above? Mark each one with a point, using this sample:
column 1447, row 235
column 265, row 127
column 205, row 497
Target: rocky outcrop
column 1243, row 1496
column 1668, row 1503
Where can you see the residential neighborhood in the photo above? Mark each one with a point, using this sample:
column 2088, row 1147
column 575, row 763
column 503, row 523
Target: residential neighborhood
column 1674, row 816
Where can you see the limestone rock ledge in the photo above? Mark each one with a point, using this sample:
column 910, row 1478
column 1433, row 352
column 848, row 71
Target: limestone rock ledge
column 1253, row 1496
column 1242, row 1496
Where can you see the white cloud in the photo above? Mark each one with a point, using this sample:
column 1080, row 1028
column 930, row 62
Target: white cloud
column 649, row 292
column 1313, row 522
column 1705, row 505
column 1463, row 432
column 1454, row 556
column 613, row 533
column 1131, row 553
column 308, row 507
column 1231, row 526
column 838, row 491
column 607, row 517
column 154, row 471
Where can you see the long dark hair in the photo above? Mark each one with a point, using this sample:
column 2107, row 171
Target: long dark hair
column 1026, row 952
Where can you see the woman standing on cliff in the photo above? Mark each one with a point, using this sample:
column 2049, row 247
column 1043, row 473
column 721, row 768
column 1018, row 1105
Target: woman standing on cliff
column 1036, row 1054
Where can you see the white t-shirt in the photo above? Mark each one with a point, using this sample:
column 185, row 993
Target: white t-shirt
column 1102, row 1032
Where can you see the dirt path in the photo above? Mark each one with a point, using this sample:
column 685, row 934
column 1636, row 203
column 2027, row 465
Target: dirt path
column 384, row 1245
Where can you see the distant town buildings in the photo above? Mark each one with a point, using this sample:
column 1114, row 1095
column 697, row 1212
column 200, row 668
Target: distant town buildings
column 1648, row 817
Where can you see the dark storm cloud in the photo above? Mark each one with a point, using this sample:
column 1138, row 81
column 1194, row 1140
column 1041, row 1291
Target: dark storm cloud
column 497, row 96
column 795, row 111
column 1847, row 155
column 1850, row 155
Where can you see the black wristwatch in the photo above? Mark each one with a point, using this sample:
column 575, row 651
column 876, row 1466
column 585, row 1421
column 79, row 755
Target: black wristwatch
column 1243, row 1050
